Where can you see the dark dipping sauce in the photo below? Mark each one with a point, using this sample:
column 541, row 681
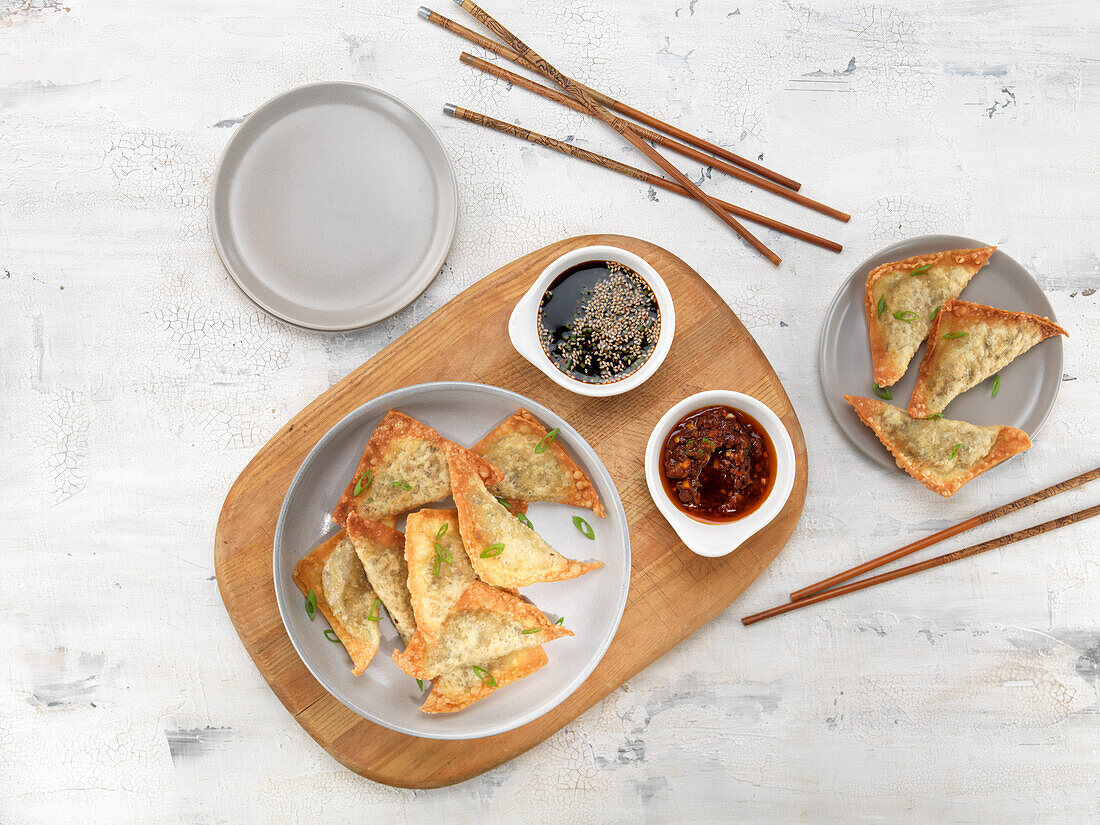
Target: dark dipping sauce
column 718, row 464
column 598, row 322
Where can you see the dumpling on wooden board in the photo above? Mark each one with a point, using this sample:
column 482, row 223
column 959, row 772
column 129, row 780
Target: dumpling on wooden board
column 939, row 453
column 403, row 467
column 460, row 688
column 967, row 344
column 485, row 624
column 503, row 552
column 535, row 466
column 438, row 569
column 381, row 550
column 344, row 597
column 902, row 298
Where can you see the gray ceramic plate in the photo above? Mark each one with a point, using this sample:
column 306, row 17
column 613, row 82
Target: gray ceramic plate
column 334, row 206
column 592, row 604
column 1029, row 384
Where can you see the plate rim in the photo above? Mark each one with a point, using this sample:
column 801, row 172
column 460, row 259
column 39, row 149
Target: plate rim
column 216, row 232
column 834, row 305
column 392, row 399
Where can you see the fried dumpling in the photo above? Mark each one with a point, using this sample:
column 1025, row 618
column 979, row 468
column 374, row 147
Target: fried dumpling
column 902, row 298
column 535, row 466
column 939, row 453
column 967, row 344
column 438, row 569
column 485, row 624
column 402, row 468
column 344, row 596
column 461, row 688
column 381, row 551
column 503, row 551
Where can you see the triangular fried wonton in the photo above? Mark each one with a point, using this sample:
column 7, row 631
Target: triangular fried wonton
column 967, row 344
column 535, row 466
column 461, row 688
column 485, row 624
column 439, row 570
column 503, row 551
column 344, row 597
column 939, row 453
column 902, row 298
column 381, row 550
column 402, row 468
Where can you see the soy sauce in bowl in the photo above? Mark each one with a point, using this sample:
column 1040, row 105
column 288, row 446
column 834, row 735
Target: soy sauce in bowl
column 598, row 322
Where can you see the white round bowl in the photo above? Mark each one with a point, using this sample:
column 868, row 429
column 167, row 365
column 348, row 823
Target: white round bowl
column 717, row 539
column 523, row 323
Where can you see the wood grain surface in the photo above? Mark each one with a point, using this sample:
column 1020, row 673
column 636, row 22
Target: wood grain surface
column 671, row 588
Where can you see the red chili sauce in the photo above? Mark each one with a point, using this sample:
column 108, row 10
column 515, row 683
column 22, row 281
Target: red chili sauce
column 718, row 464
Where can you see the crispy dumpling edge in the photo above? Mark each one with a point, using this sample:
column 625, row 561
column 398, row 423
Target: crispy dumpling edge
column 880, row 363
column 307, row 574
column 396, row 424
column 416, row 592
column 386, row 536
column 918, row 401
column 522, row 420
column 1010, row 441
column 525, row 662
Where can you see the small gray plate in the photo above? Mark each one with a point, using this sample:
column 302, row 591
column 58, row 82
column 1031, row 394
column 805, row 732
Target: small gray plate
column 592, row 604
column 334, row 206
column 1029, row 384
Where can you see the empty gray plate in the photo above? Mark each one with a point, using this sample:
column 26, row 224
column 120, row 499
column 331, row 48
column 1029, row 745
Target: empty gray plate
column 1029, row 384
column 334, row 206
column 592, row 604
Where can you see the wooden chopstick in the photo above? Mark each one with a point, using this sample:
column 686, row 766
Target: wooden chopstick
column 630, row 171
column 618, row 124
column 608, row 101
column 935, row 538
column 675, row 145
column 947, row 558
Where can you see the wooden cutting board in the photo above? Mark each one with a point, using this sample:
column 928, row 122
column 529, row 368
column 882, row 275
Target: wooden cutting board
column 670, row 588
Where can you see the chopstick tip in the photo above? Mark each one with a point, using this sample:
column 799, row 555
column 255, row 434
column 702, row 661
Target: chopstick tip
column 424, row 12
column 450, row 109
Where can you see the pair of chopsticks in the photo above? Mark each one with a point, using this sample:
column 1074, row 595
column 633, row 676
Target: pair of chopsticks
column 833, row 586
column 585, row 99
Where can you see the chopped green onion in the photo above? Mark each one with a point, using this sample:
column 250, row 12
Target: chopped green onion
column 920, row 270
column 373, row 615
column 881, row 305
column 530, row 630
column 996, row 384
column 404, row 485
column 492, row 550
column 420, row 684
column 584, row 527
column 708, row 441
column 935, row 312
column 955, row 450
column 560, row 621
column 546, row 441
column 882, row 392
column 906, row 315
column 443, row 553
column 363, row 482
column 331, row 636
column 485, row 676
column 507, row 504
column 311, row 604
column 442, row 531
column 526, row 522
column 934, row 416
column 436, row 566
column 955, row 335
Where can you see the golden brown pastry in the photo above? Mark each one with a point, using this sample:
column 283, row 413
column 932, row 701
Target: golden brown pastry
column 344, row 597
column 902, row 298
column 402, row 468
column 462, row 687
column 535, row 466
column 503, row 552
column 381, row 550
column 438, row 569
column 967, row 344
column 939, row 453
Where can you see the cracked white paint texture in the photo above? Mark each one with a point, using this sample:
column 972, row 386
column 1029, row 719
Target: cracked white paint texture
column 138, row 381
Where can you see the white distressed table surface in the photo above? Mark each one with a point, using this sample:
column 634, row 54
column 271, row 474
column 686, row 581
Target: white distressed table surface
column 138, row 381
